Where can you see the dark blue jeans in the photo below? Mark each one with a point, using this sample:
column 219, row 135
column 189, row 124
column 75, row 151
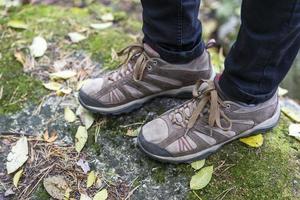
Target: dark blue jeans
column 266, row 46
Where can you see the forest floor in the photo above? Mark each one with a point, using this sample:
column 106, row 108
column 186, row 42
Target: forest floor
column 271, row 171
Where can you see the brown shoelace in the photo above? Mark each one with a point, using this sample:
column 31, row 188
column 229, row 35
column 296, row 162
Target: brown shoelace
column 132, row 52
column 205, row 95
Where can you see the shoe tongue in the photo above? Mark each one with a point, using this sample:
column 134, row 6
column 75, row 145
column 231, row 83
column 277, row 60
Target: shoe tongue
column 151, row 52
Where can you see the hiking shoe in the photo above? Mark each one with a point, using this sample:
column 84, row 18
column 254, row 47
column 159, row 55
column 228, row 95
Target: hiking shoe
column 202, row 125
column 142, row 77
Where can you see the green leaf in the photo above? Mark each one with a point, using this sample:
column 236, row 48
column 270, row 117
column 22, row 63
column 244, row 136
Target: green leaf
column 198, row 164
column 69, row 115
column 81, row 138
column 201, row 178
column 102, row 195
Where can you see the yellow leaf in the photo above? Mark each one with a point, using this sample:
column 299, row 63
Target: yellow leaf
column 17, row 177
column 17, row 24
column 81, row 138
column 102, row 195
column 66, row 74
column 54, row 86
column 198, row 164
column 67, row 194
column 253, row 141
column 91, row 179
column 18, row 155
column 133, row 133
column 201, row 178
column 69, row 115
column 291, row 114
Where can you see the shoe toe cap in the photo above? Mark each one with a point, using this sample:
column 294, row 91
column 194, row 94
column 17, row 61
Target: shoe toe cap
column 91, row 87
column 151, row 135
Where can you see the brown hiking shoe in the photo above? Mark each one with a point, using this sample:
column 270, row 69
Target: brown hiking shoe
column 142, row 77
column 201, row 126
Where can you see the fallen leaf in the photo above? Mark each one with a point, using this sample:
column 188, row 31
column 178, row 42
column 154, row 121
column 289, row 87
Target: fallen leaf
column 84, row 165
column 18, row 155
column 26, row 61
column 69, row 115
column 201, row 178
column 102, row 195
column 253, row 141
column 84, row 197
column 17, row 177
column 17, row 24
column 101, row 26
column 76, row 37
column 133, row 133
column 198, row 164
column 294, row 130
column 91, row 179
column 81, row 138
column 282, row 91
column 55, row 186
column 50, row 139
column 38, row 47
column 66, row 74
column 54, row 86
column 291, row 114
column 9, row 192
column 87, row 118
column 63, row 91
column 108, row 17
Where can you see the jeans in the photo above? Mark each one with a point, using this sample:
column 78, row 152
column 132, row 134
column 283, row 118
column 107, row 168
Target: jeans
column 266, row 46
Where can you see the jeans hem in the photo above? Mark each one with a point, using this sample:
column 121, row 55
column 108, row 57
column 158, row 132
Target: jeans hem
column 178, row 57
column 234, row 92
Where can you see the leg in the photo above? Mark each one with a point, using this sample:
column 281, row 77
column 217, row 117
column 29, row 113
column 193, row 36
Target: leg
column 267, row 44
column 172, row 28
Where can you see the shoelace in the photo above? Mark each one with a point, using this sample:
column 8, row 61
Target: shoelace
column 137, row 52
column 207, row 96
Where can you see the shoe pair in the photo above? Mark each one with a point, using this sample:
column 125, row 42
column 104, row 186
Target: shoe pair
column 191, row 131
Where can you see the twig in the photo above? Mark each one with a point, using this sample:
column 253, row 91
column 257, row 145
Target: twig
column 197, row 195
column 224, row 193
column 131, row 192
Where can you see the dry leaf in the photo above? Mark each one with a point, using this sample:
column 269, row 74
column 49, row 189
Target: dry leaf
column 63, row 91
column 101, row 26
column 201, row 178
column 69, row 115
column 108, row 17
column 67, row 194
column 17, row 177
column 291, row 114
column 50, row 139
column 253, row 141
column 76, row 37
column 84, row 165
column 84, row 197
column 38, row 47
column 17, row 24
column 102, row 195
column 81, row 138
column 66, row 74
column 86, row 117
column 282, row 91
column 91, row 179
column 18, row 155
column 198, row 164
column 55, row 186
column 133, row 133
column 294, row 130
column 54, row 86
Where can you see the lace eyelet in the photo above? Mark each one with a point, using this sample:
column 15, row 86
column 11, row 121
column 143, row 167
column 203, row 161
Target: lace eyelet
column 149, row 67
column 228, row 106
column 154, row 62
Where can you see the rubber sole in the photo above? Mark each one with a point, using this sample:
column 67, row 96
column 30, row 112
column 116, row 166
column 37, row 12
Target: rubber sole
column 260, row 128
column 183, row 93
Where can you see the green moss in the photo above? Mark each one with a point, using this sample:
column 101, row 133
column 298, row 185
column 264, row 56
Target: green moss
column 100, row 44
column 264, row 173
column 159, row 174
column 18, row 88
